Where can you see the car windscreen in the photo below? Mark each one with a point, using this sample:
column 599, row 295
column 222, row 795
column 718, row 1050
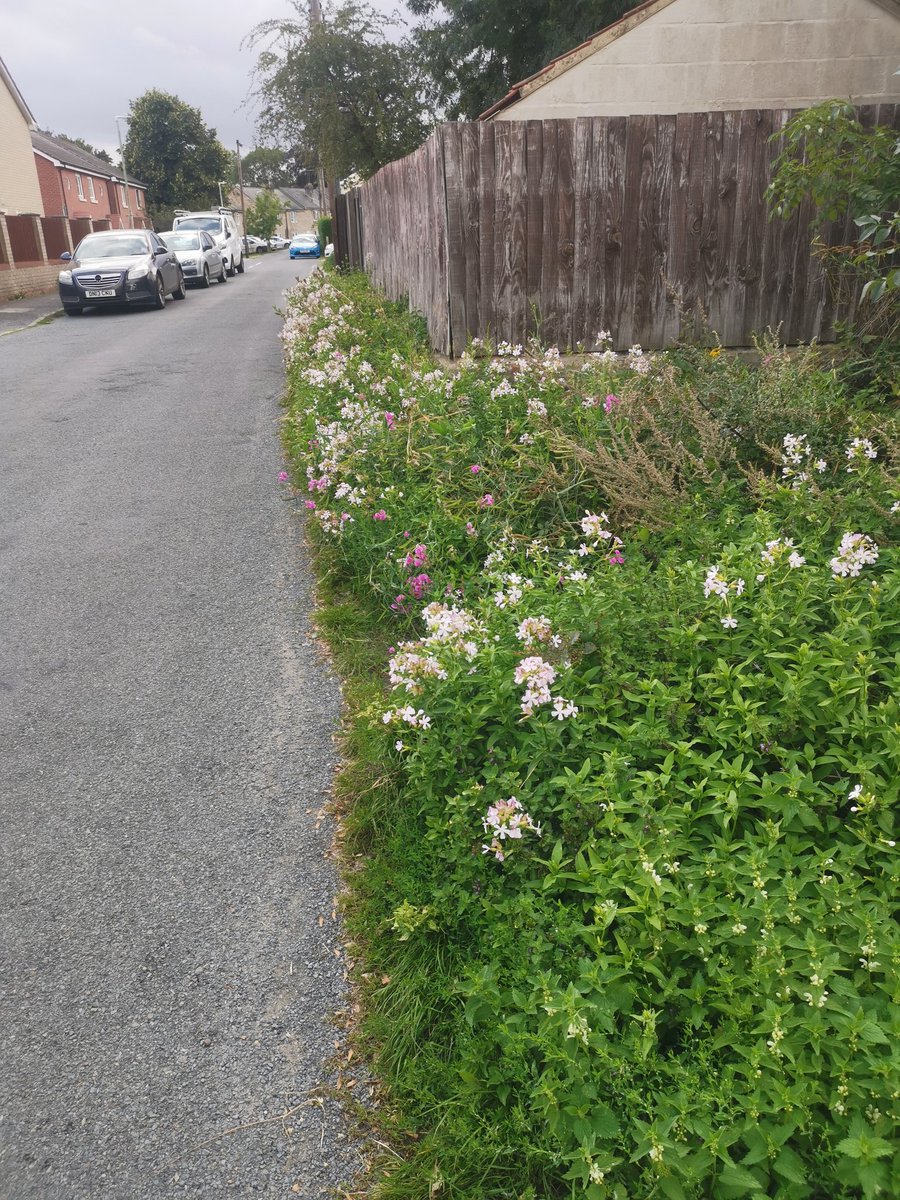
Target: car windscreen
column 127, row 246
column 210, row 224
column 176, row 240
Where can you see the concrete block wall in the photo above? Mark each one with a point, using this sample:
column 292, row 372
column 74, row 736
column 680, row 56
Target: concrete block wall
column 701, row 55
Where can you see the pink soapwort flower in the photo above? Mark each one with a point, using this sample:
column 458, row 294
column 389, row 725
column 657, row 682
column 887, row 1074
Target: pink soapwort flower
column 471, row 530
column 283, row 476
column 310, row 503
column 406, row 533
column 486, row 501
column 390, row 419
column 610, row 401
column 475, row 468
column 616, row 557
column 381, row 515
column 419, row 584
column 345, row 517
column 400, row 604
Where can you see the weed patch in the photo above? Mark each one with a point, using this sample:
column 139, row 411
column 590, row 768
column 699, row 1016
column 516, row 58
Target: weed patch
column 622, row 652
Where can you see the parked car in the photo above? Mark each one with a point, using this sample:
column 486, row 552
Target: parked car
column 256, row 245
column 277, row 242
column 120, row 266
column 219, row 224
column 200, row 257
column 305, row 245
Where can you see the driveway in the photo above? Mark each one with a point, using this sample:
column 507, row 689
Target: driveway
column 170, row 950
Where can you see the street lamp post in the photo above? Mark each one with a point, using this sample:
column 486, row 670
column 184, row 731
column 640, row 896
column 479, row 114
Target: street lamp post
column 124, row 169
column 241, row 186
column 221, row 201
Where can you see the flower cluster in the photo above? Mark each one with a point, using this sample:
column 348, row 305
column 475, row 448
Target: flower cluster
column 856, row 551
column 415, row 717
column 716, row 584
column 859, row 450
column 506, row 821
column 538, row 676
column 777, row 549
column 797, row 458
column 533, row 630
column 408, row 668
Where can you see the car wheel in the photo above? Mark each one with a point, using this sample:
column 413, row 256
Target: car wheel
column 223, row 277
column 160, row 301
column 204, row 282
column 229, row 267
column 180, row 292
column 72, row 311
column 240, row 266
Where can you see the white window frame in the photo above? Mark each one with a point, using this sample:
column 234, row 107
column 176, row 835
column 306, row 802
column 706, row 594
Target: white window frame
column 138, row 194
column 124, row 195
column 91, row 191
column 79, row 183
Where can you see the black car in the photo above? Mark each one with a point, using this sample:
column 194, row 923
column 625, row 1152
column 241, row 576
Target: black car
column 120, row 266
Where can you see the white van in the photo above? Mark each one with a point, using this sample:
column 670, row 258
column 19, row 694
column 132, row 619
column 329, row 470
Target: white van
column 219, row 224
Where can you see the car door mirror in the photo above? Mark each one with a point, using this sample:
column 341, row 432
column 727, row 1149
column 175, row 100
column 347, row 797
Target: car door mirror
column 65, row 256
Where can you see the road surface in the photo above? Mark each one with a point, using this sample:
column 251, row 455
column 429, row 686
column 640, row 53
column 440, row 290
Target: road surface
column 170, row 956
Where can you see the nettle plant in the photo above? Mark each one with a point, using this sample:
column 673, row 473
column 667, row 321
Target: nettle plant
column 650, row 769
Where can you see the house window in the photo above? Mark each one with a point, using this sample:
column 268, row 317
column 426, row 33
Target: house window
column 79, row 182
column 93, row 194
column 140, row 202
column 124, row 196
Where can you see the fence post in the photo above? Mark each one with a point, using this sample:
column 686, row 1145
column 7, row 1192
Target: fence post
column 39, row 238
column 5, row 243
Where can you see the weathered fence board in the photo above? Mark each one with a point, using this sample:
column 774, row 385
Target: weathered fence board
column 648, row 226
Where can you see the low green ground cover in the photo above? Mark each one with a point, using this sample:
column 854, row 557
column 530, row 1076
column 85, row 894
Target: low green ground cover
column 623, row 789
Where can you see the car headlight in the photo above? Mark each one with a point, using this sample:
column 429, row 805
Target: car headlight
column 65, row 277
column 139, row 271
column 189, row 262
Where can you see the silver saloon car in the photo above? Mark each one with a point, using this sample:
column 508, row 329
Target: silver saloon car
column 200, row 257
column 120, row 266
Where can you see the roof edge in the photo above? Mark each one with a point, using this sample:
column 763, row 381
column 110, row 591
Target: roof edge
column 597, row 41
column 17, row 95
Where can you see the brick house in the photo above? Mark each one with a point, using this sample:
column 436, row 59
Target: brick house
column 300, row 207
column 678, row 56
column 77, row 184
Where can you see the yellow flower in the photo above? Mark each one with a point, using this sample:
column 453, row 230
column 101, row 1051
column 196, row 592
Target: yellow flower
column 715, row 353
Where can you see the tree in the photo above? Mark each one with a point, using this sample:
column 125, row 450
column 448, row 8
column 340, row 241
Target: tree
column 338, row 90
column 263, row 217
column 175, row 154
column 264, row 167
column 476, row 50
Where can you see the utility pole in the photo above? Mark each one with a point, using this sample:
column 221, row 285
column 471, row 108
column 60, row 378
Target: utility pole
column 241, row 186
column 124, row 169
column 315, row 18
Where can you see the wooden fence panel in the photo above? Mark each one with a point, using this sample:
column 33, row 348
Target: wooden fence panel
column 646, row 226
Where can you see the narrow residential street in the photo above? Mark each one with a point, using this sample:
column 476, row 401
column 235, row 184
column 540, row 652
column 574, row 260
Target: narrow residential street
column 168, row 939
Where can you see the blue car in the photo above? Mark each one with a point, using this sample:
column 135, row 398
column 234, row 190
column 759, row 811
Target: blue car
column 305, row 245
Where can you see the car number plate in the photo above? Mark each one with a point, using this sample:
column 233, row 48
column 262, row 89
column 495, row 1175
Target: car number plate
column 97, row 293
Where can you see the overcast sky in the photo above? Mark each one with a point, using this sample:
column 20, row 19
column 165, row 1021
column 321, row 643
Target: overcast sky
column 78, row 63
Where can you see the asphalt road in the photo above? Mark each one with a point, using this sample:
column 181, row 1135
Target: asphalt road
column 170, row 954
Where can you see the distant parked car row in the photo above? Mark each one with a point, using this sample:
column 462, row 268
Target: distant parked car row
column 138, row 266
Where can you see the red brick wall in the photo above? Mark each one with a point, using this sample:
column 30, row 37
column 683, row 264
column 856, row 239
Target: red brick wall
column 51, row 190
